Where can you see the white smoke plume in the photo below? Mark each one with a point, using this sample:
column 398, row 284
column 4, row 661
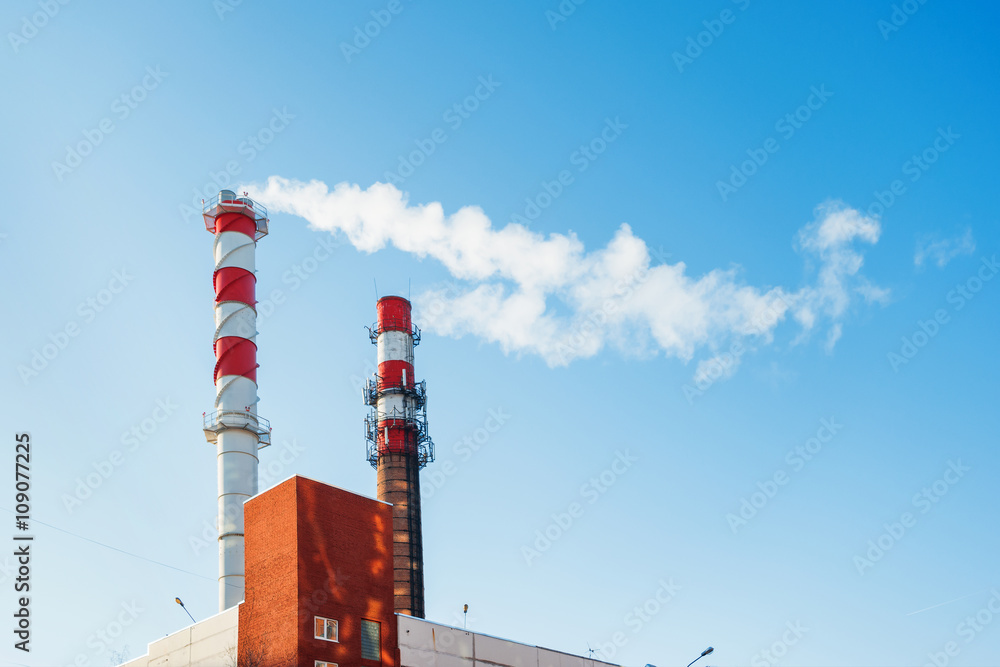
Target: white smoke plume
column 512, row 280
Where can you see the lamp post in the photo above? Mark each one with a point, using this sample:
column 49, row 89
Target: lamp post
column 703, row 654
column 178, row 601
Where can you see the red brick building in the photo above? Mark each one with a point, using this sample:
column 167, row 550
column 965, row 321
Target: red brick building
column 319, row 578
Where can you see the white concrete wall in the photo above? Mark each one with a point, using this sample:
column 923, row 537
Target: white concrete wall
column 426, row 644
column 209, row 643
column 421, row 644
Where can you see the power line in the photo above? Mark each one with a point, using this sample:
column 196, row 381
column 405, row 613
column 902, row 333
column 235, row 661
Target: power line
column 122, row 551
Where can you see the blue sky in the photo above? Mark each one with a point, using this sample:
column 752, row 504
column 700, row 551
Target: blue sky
column 848, row 256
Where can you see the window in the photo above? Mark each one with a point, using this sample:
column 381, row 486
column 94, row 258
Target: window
column 320, row 663
column 370, row 640
column 326, row 628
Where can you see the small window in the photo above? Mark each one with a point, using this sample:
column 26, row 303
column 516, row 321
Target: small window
column 326, row 628
column 370, row 640
column 320, row 663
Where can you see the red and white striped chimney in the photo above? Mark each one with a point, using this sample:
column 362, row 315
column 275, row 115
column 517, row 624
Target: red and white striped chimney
column 398, row 444
column 234, row 426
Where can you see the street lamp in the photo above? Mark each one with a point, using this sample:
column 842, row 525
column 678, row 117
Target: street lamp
column 703, row 654
column 178, row 601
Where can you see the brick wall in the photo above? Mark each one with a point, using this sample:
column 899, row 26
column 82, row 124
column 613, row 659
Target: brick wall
column 399, row 484
column 316, row 550
column 269, row 611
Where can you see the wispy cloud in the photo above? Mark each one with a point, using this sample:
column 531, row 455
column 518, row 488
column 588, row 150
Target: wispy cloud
column 548, row 295
column 941, row 251
column 713, row 369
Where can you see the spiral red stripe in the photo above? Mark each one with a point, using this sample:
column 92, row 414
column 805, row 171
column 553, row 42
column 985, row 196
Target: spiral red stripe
column 235, row 356
column 235, row 284
column 236, row 222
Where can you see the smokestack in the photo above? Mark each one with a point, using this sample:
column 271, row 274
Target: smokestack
column 398, row 444
column 234, row 426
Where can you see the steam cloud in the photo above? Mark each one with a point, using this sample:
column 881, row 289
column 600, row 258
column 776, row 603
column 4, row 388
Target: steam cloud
column 614, row 296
